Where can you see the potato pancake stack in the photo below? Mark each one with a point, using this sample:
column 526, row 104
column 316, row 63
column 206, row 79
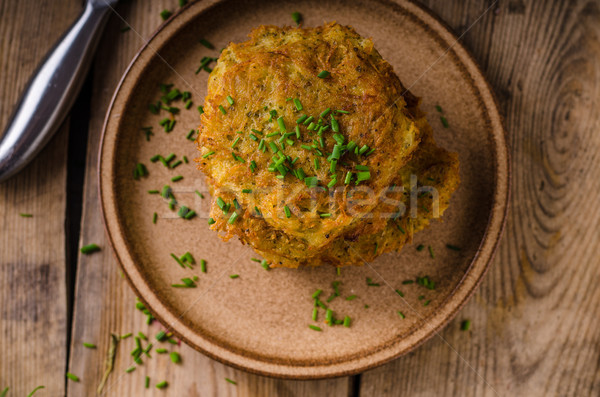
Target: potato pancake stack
column 314, row 152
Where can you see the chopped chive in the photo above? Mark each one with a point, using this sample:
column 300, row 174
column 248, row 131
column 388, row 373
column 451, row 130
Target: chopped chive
column 232, row 276
column 207, row 44
column 246, row 190
column 401, row 315
column 371, row 283
column 420, row 247
column 211, row 221
column 342, row 111
column 298, row 104
column 308, row 120
column 400, row 293
column 316, row 294
column 362, row 176
column 165, row 14
column 297, row 17
column 426, row 303
column 335, row 127
column 438, row 108
column 160, row 336
column 273, row 147
column 125, row 336
column 351, row 297
column 362, row 167
column 452, row 247
column 325, row 112
column 24, row 215
column 236, row 141
column 426, row 282
column 176, row 178
column 465, row 325
column 199, row 194
column 200, row 109
column 74, row 378
column 184, row 212
column 208, row 154
column 130, row 369
column 431, row 252
column 287, row 211
column 176, row 164
column 175, row 357
column 233, row 218
column 147, row 382
column 162, row 385
column 315, row 313
column 265, row 265
column 261, row 144
column 90, row 248
column 179, row 261
column 281, row 124
column 231, row 381
column 3, row 394
column 238, row 158
column 311, row 181
column 405, row 282
column 315, row 328
column 89, row 345
column 320, row 304
column 229, row 99
column 329, row 317
column 348, row 178
column 222, row 109
column 325, row 215
column 323, row 74
column 301, row 119
column 161, row 351
column 189, row 135
column 444, row 122
column 332, row 183
column 347, row 321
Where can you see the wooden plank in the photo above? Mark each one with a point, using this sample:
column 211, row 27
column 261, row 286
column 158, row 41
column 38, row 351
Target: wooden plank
column 105, row 304
column 33, row 301
column 535, row 319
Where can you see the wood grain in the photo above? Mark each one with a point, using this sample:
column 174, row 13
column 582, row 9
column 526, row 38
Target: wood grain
column 105, row 304
column 535, row 319
column 33, row 296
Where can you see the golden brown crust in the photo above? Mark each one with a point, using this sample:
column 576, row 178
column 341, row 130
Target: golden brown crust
column 261, row 75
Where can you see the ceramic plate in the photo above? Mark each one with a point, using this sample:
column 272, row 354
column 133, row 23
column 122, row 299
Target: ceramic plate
column 259, row 321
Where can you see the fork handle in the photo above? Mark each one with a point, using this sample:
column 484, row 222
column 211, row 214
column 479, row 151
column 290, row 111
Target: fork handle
column 51, row 91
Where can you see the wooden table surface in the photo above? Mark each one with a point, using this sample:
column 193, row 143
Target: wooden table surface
column 535, row 319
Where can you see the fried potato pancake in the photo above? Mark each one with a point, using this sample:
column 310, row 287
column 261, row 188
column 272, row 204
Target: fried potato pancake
column 309, row 141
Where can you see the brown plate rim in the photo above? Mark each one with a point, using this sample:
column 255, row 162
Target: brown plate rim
column 448, row 309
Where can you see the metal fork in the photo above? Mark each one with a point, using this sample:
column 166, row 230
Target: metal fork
column 52, row 90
